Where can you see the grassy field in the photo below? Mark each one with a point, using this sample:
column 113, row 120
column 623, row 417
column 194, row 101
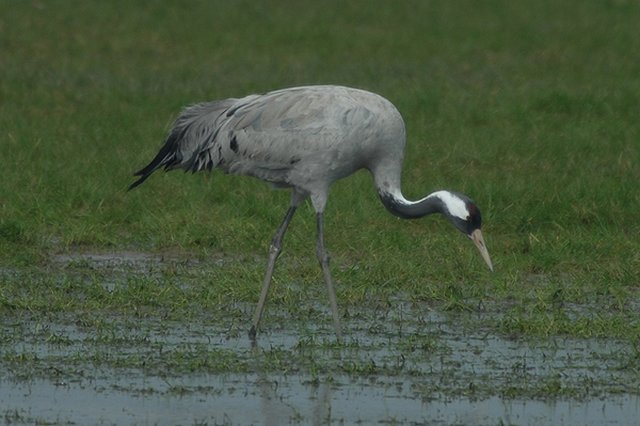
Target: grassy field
column 531, row 108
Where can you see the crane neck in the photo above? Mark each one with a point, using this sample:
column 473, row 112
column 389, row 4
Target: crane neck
column 387, row 181
column 406, row 209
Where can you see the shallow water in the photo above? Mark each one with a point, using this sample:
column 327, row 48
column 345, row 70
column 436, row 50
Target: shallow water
column 448, row 376
column 276, row 400
column 401, row 362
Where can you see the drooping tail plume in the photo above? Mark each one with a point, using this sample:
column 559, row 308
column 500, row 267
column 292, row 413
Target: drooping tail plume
column 190, row 142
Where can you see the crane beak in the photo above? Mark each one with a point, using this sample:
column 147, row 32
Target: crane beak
column 476, row 237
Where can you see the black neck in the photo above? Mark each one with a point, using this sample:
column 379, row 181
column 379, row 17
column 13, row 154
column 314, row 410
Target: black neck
column 411, row 209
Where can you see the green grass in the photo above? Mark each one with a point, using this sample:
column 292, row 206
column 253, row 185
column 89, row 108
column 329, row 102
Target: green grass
column 529, row 108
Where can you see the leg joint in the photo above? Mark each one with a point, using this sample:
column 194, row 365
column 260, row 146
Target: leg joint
column 274, row 248
column 322, row 254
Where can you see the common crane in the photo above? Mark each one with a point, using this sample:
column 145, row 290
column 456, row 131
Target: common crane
column 306, row 138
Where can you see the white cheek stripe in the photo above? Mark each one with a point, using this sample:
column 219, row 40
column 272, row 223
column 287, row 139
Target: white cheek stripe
column 455, row 205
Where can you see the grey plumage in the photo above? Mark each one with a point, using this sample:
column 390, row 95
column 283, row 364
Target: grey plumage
column 294, row 137
column 306, row 138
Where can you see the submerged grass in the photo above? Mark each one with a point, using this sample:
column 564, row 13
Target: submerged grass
column 529, row 108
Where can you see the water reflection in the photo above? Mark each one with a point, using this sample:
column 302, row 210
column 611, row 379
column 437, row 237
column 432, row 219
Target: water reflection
column 278, row 405
column 281, row 400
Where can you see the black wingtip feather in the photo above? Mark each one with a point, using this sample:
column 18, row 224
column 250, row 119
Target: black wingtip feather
column 145, row 172
column 163, row 158
column 138, row 182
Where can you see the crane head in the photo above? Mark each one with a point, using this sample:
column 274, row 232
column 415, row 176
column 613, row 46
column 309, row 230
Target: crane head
column 463, row 213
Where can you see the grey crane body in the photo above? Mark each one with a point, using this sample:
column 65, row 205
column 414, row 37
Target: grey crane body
column 306, row 138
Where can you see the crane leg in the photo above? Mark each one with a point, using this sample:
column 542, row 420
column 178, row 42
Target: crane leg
column 323, row 258
column 274, row 252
